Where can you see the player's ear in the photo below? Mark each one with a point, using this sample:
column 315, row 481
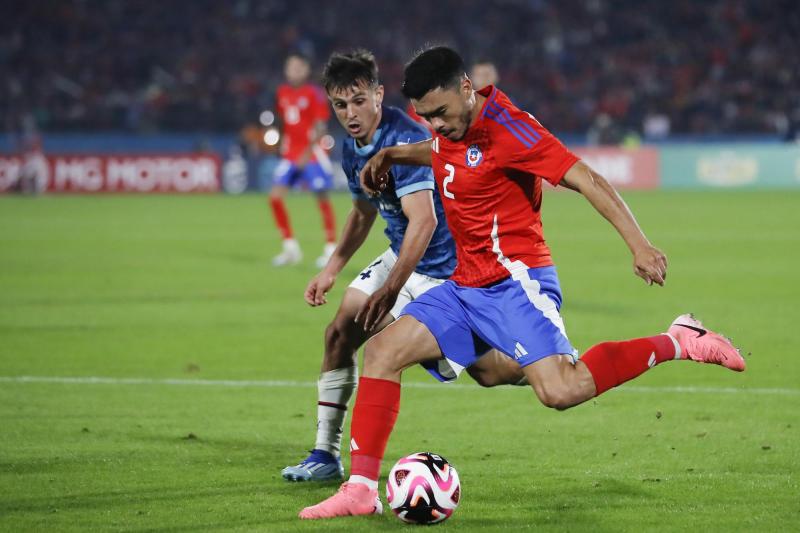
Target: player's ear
column 466, row 86
column 379, row 94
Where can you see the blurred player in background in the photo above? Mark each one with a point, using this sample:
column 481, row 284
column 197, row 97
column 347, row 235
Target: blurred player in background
column 421, row 253
column 483, row 73
column 489, row 159
column 304, row 114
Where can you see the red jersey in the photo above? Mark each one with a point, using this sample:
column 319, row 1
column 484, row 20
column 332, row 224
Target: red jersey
column 299, row 109
column 491, row 187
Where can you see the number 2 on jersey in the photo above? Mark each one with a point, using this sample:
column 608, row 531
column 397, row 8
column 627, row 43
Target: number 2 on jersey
column 449, row 179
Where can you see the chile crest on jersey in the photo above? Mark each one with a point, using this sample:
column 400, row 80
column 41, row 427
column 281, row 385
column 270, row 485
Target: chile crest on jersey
column 474, row 156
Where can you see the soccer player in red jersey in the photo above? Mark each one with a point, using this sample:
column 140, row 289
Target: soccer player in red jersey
column 303, row 110
column 489, row 159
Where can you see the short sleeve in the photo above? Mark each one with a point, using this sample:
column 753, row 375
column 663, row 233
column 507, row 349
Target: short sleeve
column 407, row 178
column 528, row 147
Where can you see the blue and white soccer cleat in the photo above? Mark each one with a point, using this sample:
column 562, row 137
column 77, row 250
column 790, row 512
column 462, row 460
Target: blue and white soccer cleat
column 319, row 466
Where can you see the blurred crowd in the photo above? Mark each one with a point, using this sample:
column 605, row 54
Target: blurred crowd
column 655, row 68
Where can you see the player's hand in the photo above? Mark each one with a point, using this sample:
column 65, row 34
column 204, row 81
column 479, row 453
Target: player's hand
column 317, row 289
column 374, row 176
column 650, row 264
column 376, row 307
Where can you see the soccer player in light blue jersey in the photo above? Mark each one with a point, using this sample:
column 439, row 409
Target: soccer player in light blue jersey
column 421, row 254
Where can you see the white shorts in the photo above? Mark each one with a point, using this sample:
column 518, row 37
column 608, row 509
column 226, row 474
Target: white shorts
column 374, row 276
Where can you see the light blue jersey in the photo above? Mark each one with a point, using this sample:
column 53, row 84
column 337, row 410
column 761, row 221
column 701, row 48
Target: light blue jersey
column 396, row 127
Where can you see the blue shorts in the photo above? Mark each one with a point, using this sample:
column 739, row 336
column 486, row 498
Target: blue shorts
column 314, row 176
column 518, row 315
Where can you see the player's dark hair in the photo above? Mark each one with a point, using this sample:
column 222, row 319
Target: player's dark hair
column 434, row 68
column 352, row 69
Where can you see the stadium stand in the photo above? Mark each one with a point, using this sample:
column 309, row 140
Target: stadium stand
column 71, row 65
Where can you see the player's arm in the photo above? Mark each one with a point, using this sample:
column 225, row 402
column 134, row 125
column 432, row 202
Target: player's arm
column 418, row 208
column 318, row 131
column 649, row 263
column 356, row 229
column 374, row 175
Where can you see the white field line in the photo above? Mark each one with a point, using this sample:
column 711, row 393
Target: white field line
column 96, row 380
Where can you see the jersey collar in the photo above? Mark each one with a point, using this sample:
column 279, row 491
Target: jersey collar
column 490, row 92
column 368, row 148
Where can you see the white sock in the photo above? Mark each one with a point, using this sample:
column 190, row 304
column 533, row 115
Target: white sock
column 335, row 388
column 291, row 245
column 371, row 483
column 678, row 354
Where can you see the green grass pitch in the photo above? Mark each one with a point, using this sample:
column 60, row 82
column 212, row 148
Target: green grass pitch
column 163, row 288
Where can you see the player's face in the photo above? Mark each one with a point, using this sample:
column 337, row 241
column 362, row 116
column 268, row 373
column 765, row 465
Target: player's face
column 296, row 70
column 449, row 111
column 358, row 109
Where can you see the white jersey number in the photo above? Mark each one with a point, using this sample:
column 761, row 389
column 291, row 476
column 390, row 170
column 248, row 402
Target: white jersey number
column 292, row 115
column 449, row 179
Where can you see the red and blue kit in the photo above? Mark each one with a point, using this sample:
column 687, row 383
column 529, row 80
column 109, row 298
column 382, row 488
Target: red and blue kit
column 299, row 109
column 504, row 292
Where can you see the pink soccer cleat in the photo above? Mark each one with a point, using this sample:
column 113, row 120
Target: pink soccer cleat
column 700, row 344
column 352, row 499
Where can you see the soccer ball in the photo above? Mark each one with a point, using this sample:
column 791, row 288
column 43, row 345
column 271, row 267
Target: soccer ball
column 423, row 488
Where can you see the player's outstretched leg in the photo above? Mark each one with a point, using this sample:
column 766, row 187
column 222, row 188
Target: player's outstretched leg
column 560, row 384
column 614, row 363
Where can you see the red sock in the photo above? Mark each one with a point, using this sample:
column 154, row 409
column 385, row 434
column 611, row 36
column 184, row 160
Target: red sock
column 281, row 217
column 377, row 405
column 328, row 220
column 614, row 363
